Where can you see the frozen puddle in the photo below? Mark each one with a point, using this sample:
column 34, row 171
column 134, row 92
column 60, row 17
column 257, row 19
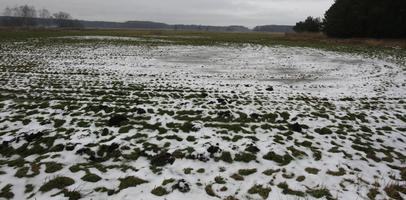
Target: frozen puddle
column 290, row 69
column 113, row 38
column 333, row 73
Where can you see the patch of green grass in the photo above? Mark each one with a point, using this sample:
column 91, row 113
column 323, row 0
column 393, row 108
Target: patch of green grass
column 52, row 167
column 236, row 128
column 252, row 149
column 230, row 198
column 130, row 181
column 219, row 180
column 237, row 177
column 323, row 131
column 316, row 154
column 300, row 178
column 282, row 160
column 59, row 122
column 89, row 177
column 72, row 195
column 159, row 191
column 35, row 168
column 311, row 170
column 259, row 189
column 246, row 172
column 167, row 181
column 373, row 192
column 104, row 189
column 83, row 124
column 319, row 193
column 340, row 172
column 201, row 170
column 245, row 157
column 223, row 189
column 29, row 188
column 56, row 183
column 57, row 148
column 153, row 127
column 319, row 114
column 296, row 152
column 19, row 162
column 386, row 128
column 21, row 172
column 75, row 168
column 269, row 172
column 226, row 157
column 365, row 129
column 125, row 129
column 187, row 170
column 186, row 127
column 191, row 138
column 155, row 169
column 304, row 143
column 236, row 138
column 403, row 173
column 222, row 169
column 209, row 190
column 26, row 122
column 285, row 115
column 286, row 190
column 394, row 190
column 6, row 192
column 174, row 137
column 288, row 176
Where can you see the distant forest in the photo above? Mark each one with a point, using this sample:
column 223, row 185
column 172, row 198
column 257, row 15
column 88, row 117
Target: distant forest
column 28, row 16
column 273, row 28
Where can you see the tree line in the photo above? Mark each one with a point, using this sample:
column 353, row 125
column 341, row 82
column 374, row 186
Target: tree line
column 29, row 16
column 361, row 18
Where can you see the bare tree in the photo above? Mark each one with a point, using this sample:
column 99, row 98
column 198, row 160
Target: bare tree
column 21, row 16
column 26, row 11
column 28, row 14
column 63, row 19
column 8, row 11
column 44, row 14
column 62, row 16
column 45, row 17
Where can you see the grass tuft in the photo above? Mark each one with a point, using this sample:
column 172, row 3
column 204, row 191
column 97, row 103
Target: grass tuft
column 259, row 189
column 246, row 172
column 311, row 170
column 130, row 181
column 159, row 191
column 210, row 191
column 6, row 192
column 89, row 177
column 286, row 190
column 57, row 183
column 237, row 177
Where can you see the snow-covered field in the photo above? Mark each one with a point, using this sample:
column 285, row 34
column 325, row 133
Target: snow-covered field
column 105, row 120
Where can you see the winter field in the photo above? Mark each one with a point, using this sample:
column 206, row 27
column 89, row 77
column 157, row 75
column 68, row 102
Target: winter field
column 199, row 116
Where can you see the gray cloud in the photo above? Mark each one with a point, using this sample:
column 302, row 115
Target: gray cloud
column 208, row 12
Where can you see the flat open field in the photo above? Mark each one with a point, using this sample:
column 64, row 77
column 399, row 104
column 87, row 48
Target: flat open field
column 167, row 115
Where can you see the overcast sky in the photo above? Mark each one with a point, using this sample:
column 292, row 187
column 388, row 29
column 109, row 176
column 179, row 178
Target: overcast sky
column 206, row 12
